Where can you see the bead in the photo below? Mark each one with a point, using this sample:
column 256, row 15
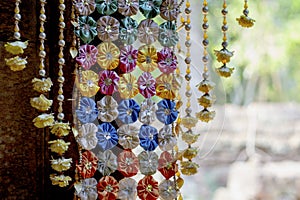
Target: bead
column 224, row 11
column 61, row 43
column 17, row 17
column 205, row 26
column 17, row 35
column 42, row 36
column 62, row 7
column 61, row 116
column 188, row 77
column 188, row 93
column 187, row 27
column 42, row 54
column 205, row 59
column 205, row 42
column 187, row 60
column 188, row 10
column 205, row 75
column 61, row 79
column 60, row 97
column 42, row 72
column 224, row 28
column 205, row 9
column 62, row 25
column 188, row 110
column 188, row 43
column 224, row 44
column 43, row 17
column 246, row 12
column 61, row 61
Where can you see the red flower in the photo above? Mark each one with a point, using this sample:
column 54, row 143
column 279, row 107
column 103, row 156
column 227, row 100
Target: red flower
column 107, row 188
column 128, row 59
column 88, row 165
column 148, row 188
column 108, row 82
column 87, row 56
column 128, row 163
column 166, row 60
column 167, row 165
column 146, row 84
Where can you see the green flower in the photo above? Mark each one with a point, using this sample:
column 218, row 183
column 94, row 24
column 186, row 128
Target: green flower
column 168, row 36
column 107, row 7
column 87, row 30
column 128, row 30
column 150, row 8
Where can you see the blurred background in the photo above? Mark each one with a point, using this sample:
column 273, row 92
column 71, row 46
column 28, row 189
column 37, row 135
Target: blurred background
column 251, row 151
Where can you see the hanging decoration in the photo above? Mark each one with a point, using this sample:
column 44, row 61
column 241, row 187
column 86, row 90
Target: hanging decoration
column 16, row 48
column 224, row 55
column 244, row 20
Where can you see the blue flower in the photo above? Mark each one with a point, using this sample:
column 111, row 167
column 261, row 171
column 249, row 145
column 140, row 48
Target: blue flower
column 166, row 112
column 87, row 111
column 107, row 136
column 148, row 137
column 128, row 111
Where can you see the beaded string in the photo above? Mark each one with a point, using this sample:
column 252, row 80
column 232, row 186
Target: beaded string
column 244, row 20
column 17, row 16
column 224, row 55
column 205, row 86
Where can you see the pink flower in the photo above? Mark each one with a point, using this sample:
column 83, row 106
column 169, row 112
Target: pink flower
column 166, row 60
column 128, row 59
column 87, row 56
column 146, row 83
column 108, row 82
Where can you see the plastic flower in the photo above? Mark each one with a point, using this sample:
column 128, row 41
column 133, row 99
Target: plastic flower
column 168, row 35
column 224, row 71
column 205, row 86
column 166, row 61
column 16, row 47
column 87, row 136
column 85, row 7
column 88, row 165
column 128, row 87
column 16, row 63
column 107, row 188
column 167, row 165
column 166, row 87
column 87, row 56
column 107, row 162
column 87, row 30
column 61, row 164
column 41, row 103
column 107, row 107
column 87, row 111
column 189, row 137
column 60, row 180
column 127, row 189
column 169, row 10
column 189, row 122
column 128, row 58
column 189, row 168
column 128, row 136
column 166, row 112
column 108, row 28
column 245, row 21
column 147, row 112
column 166, row 139
column 107, row 7
column 148, row 31
column 59, row 146
column 60, row 129
column 148, row 161
column 148, row 188
column 42, row 85
column 108, row 82
column 128, row 7
column 107, row 136
column 150, row 8
column 148, row 137
column 190, row 153
column 223, row 55
column 147, row 58
column 206, row 115
column 128, row 111
column 206, row 100
column 108, row 55
column 88, row 189
column 128, row 30
column 43, row 120
column 128, row 163
column 88, row 86
column 146, row 84
column 167, row 190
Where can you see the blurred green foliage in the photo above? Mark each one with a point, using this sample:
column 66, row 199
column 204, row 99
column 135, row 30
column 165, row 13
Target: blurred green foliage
column 266, row 58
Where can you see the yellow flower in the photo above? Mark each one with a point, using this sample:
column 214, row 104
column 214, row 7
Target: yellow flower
column 61, row 164
column 147, row 58
column 60, row 129
column 60, row 180
column 16, row 63
column 224, row 55
column 166, row 86
column 245, row 21
column 190, row 153
column 128, row 87
column 224, row 71
column 205, row 86
column 41, row 103
column 189, row 168
column 16, row 47
column 42, row 85
column 190, row 137
column 89, row 84
column 108, row 55
column 43, row 120
column 206, row 115
column 189, row 122
column 59, row 146
column 206, row 100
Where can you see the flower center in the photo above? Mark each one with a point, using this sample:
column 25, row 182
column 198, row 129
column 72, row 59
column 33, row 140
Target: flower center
column 168, row 61
column 88, row 165
column 109, row 188
column 90, row 83
column 88, row 110
column 129, row 111
column 148, row 83
column 107, row 136
column 167, row 86
column 128, row 161
column 150, row 137
column 170, row 189
column 167, row 111
column 149, row 188
column 128, row 2
column 148, row 31
column 108, row 29
column 107, row 81
column 86, row 27
column 169, row 166
column 109, row 56
column 129, row 86
column 129, row 58
column 148, row 59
